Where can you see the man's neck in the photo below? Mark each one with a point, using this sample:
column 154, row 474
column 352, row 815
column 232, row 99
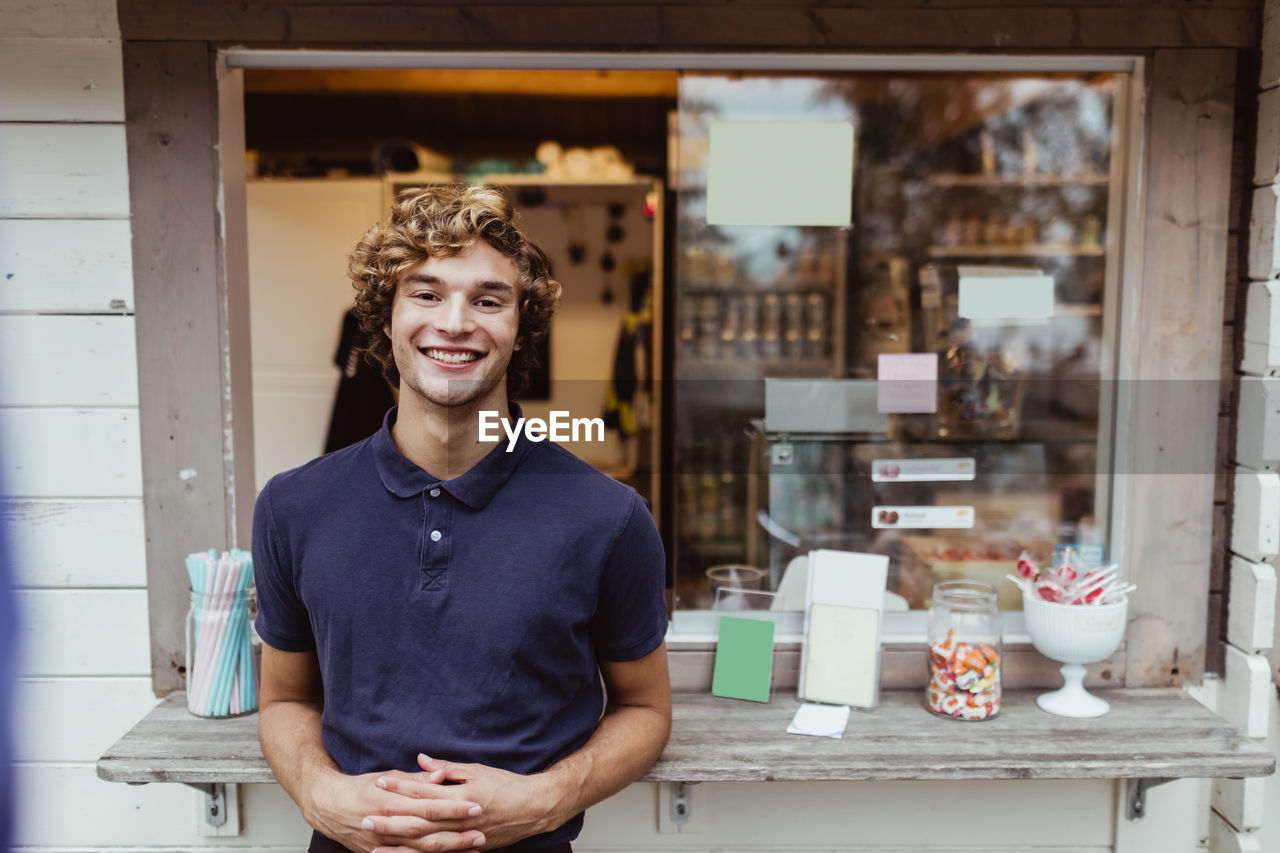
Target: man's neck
column 444, row 441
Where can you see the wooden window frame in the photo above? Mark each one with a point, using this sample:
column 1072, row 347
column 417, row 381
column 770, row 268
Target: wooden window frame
column 184, row 125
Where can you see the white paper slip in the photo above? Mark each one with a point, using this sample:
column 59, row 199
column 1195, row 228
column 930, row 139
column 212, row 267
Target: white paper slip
column 780, row 172
column 916, row 517
column 820, row 720
column 842, row 659
column 847, row 577
column 1004, row 294
column 922, row 470
column 907, row 383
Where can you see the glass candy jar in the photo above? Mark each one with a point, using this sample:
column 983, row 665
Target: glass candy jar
column 964, row 651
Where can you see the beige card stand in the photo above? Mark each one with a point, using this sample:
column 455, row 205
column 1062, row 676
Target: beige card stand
column 842, row 656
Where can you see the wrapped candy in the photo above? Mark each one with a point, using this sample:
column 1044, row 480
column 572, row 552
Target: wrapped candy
column 965, row 679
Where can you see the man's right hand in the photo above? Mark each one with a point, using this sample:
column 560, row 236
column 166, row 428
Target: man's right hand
column 338, row 804
column 332, row 802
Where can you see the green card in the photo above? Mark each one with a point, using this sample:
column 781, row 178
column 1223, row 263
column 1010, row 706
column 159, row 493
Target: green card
column 744, row 659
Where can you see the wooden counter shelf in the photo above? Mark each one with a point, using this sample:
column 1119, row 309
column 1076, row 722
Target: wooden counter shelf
column 1150, row 734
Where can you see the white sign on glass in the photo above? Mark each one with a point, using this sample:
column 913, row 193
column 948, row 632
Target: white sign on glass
column 780, row 173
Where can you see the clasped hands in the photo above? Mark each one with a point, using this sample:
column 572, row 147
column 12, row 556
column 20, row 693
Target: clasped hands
column 481, row 807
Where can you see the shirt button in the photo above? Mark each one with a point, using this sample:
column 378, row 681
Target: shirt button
column 435, row 536
column 435, row 493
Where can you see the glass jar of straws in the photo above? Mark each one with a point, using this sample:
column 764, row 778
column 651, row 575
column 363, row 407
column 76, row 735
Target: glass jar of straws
column 221, row 669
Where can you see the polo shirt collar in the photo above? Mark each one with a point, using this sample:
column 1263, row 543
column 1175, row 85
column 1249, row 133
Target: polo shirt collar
column 475, row 488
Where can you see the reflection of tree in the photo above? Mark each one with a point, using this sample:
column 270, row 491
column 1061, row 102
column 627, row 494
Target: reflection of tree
column 903, row 114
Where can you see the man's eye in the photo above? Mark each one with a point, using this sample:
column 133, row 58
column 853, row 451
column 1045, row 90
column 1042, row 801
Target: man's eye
column 489, row 303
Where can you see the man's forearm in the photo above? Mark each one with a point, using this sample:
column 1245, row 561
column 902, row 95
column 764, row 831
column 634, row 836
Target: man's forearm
column 627, row 741
column 294, row 747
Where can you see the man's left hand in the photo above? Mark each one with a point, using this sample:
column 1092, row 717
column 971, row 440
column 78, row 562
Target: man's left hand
column 514, row 806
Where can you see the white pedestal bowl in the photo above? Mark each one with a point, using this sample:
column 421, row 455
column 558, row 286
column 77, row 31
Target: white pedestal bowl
column 1074, row 634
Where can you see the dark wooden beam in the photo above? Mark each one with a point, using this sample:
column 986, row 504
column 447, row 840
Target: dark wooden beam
column 1167, row 459
column 170, row 110
column 706, row 25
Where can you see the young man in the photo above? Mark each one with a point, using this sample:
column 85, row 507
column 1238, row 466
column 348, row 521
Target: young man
column 438, row 612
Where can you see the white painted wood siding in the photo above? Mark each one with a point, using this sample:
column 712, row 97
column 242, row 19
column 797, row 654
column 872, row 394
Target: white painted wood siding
column 69, row 429
column 1240, row 814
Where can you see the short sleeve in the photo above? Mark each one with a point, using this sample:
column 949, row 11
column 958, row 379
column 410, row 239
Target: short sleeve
column 283, row 621
column 631, row 610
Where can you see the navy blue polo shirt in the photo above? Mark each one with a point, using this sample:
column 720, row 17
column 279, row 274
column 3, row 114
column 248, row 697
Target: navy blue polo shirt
column 462, row 618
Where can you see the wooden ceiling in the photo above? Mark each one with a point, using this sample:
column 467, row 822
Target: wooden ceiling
column 454, row 81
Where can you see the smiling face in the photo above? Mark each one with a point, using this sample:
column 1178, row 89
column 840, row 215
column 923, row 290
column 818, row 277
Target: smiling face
column 454, row 325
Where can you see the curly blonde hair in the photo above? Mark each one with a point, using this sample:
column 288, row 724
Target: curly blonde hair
column 439, row 222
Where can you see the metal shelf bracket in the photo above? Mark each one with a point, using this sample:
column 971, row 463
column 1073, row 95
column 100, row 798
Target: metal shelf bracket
column 215, row 801
column 1136, row 791
column 681, row 802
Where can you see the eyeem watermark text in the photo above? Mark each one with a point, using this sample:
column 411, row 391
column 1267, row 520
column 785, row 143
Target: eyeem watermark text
column 558, row 427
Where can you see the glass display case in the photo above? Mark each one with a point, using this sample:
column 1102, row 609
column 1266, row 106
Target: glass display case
column 981, row 238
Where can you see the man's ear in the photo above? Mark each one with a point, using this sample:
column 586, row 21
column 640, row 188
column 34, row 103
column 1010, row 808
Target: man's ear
column 519, row 343
column 386, row 329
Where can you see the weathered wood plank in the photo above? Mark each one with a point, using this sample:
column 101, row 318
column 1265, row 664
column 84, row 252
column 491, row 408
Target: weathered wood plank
column 63, row 171
column 1257, row 442
column 1241, row 801
column 1169, row 427
column 72, row 453
column 101, row 369
column 1255, row 516
column 65, row 632
column 1224, row 838
column 1227, row 367
column 1264, row 233
column 1153, row 732
column 60, row 80
column 1246, row 692
column 92, row 271
column 1218, row 556
column 145, row 818
column 68, row 19
column 1266, row 162
column 51, row 723
column 1269, row 72
column 915, row 23
column 1223, row 470
column 1213, row 641
column 171, row 109
column 1251, row 622
column 76, row 543
column 1260, row 354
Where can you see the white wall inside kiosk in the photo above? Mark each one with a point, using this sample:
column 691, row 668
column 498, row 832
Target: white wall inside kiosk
column 76, row 508
column 300, row 233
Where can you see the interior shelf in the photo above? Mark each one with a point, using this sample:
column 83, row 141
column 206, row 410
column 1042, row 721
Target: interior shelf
column 968, row 180
column 1047, row 250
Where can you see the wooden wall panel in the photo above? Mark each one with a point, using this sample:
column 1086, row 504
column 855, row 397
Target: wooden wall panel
column 1169, row 435
column 76, row 543
column 77, row 266
column 170, row 103
column 72, row 453
column 53, row 722
column 771, row 25
column 157, row 817
column 66, row 19
column 93, row 361
column 63, row 171
column 83, row 632
column 60, row 80
column 1251, row 624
